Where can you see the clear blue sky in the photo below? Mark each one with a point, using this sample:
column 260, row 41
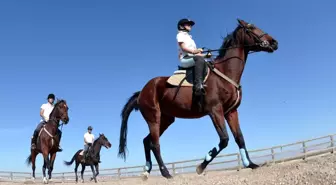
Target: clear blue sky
column 96, row 54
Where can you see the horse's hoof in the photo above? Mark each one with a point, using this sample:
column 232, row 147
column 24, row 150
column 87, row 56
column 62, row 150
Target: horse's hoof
column 199, row 169
column 253, row 166
column 145, row 176
column 169, row 176
column 45, row 180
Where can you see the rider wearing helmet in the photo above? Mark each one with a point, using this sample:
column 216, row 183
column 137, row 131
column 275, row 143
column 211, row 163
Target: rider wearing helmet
column 88, row 140
column 189, row 54
column 45, row 111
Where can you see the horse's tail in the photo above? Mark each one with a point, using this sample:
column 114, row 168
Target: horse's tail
column 29, row 160
column 72, row 160
column 131, row 105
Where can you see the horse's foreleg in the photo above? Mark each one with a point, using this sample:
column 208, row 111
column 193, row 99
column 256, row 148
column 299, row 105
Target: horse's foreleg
column 97, row 169
column 46, row 165
column 232, row 119
column 93, row 173
column 52, row 160
column 218, row 121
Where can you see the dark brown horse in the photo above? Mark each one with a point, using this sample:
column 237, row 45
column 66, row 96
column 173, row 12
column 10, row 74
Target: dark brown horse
column 159, row 106
column 47, row 141
column 92, row 159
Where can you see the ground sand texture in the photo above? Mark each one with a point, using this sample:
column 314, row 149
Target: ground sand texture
column 319, row 170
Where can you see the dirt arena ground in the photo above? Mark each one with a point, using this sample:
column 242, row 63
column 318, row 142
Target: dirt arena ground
column 315, row 171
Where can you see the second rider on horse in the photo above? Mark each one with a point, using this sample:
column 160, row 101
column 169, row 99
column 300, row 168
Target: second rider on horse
column 88, row 140
column 45, row 111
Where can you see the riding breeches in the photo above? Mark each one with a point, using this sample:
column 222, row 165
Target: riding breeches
column 189, row 61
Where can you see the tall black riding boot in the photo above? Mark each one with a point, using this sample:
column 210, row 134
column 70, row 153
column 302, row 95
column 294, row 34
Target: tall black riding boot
column 34, row 139
column 199, row 70
column 59, row 141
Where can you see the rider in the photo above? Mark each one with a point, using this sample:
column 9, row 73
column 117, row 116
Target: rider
column 45, row 111
column 189, row 54
column 88, row 140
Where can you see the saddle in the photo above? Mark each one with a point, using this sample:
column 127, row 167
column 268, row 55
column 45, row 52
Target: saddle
column 184, row 77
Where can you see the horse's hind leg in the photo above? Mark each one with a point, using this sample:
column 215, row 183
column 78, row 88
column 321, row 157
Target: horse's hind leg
column 165, row 122
column 76, row 168
column 33, row 159
column 218, row 120
column 233, row 121
column 82, row 172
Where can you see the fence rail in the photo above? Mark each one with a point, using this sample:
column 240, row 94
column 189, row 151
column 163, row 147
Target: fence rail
column 272, row 155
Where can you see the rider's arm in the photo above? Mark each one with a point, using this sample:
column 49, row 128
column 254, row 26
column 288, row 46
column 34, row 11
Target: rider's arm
column 184, row 48
column 85, row 138
column 41, row 113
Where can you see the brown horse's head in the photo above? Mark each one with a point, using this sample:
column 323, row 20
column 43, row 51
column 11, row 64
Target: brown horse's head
column 102, row 140
column 257, row 38
column 61, row 110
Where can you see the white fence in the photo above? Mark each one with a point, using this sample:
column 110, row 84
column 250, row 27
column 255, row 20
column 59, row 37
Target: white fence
column 276, row 154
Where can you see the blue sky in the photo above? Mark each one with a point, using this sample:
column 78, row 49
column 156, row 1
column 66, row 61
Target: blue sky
column 96, row 54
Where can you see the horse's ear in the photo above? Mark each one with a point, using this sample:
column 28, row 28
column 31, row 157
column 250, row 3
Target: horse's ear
column 241, row 22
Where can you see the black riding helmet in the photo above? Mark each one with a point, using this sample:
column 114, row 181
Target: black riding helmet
column 184, row 21
column 51, row 96
column 89, row 128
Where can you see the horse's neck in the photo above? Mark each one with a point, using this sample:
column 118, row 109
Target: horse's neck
column 233, row 63
column 53, row 116
column 96, row 147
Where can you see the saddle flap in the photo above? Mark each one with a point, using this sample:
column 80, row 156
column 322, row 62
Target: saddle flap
column 186, row 75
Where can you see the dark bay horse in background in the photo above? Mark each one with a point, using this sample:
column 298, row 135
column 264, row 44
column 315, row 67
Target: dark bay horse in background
column 93, row 157
column 47, row 141
column 160, row 102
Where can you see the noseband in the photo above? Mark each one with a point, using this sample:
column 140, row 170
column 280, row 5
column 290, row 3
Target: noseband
column 261, row 43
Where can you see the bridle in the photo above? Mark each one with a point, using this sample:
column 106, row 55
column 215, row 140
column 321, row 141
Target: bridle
column 249, row 30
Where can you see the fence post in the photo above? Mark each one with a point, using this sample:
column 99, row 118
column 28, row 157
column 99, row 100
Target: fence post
column 11, row 176
column 273, row 155
column 332, row 144
column 239, row 161
column 304, row 149
column 119, row 173
column 174, row 170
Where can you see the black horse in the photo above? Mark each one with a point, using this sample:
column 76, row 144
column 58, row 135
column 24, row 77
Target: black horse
column 92, row 158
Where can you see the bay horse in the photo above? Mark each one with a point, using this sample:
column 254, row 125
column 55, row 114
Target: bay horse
column 47, row 141
column 93, row 159
column 160, row 103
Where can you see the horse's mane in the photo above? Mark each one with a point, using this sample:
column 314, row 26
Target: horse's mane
column 60, row 101
column 229, row 40
column 94, row 142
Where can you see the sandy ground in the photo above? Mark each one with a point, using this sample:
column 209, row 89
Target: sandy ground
column 315, row 171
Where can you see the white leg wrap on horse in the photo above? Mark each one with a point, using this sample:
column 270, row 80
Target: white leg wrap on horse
column 244, row 159
column 148, row 166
